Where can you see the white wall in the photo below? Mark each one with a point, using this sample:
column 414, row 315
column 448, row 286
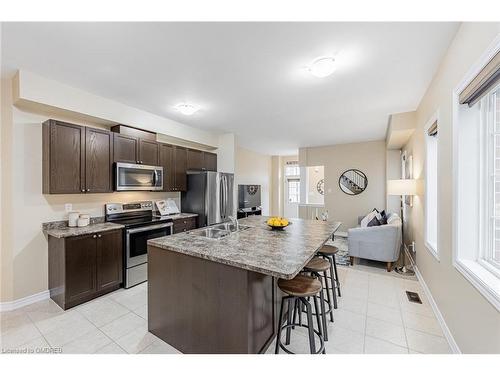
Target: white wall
column 34, row 91
column 472, row 320
column 253, row 168
column 368, row 157
column 393, row 171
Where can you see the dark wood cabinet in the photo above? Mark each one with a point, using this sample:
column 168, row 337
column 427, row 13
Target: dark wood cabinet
column 148, row 152
column 82, row 268
column 184, row 224
column 79, row 159
column 109, row 260
column 130, row 149
column 180, row 168
column 173, row 159
column 195, row 160
column 98, row 161
column 76, row 159
column 125, row 148
column 63, row 160
column 166, row 161
column 210, row 161
column 201, row 161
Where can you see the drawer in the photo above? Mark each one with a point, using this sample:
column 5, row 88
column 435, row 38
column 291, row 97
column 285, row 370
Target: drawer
column 185, row 224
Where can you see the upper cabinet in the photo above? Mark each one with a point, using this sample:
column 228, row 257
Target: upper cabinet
column 79, row 159
column 76, row 159
column 98, row 161
column 125, row 148
column 131, row 149
column 166, row 161
column 210, row 161
column 179, row 160
column 63, row 158
column 148, row 152
column 194, row 159
column 201, row 161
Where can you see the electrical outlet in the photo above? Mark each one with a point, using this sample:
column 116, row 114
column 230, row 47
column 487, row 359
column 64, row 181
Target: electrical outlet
column 68, row 207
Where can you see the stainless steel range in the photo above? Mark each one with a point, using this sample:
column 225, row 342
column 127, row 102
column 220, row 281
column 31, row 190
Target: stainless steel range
column 140, row 226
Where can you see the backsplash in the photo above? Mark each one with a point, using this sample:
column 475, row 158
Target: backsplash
column 93, row 204
column 64, row 223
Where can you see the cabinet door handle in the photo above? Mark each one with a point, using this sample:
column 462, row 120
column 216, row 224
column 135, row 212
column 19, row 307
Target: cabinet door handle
column 83, row 190
column 94, row 236
column 88, row 189
column 99, row 235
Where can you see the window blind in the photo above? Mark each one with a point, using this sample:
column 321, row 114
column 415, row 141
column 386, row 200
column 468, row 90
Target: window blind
column 488, row 77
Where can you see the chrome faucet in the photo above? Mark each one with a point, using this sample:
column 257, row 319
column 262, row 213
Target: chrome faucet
column 235, row 223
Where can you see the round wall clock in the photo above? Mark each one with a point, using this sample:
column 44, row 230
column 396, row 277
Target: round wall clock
column 252, row 189
column 320, row 186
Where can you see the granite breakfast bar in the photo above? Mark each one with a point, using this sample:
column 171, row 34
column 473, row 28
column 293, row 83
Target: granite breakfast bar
column 209, row 295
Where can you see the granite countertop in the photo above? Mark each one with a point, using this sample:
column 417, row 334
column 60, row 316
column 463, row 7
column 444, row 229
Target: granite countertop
column 277, row 253
column 61, row 232
column 182, row 215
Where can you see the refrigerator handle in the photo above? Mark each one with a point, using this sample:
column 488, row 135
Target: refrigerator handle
column 226, row 186
column 225, row 195
column 221, row 198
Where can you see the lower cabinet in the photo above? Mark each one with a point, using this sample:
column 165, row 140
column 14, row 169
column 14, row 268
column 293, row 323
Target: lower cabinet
column 184, row 224
column 84, row 267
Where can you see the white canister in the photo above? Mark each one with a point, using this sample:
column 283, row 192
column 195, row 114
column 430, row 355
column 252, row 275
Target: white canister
column 83, row 220
column 73, row 219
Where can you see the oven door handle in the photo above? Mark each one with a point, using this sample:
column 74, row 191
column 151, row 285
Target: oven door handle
column 149, row 227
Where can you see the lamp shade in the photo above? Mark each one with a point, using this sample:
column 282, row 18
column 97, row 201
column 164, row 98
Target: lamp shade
column 402, row 187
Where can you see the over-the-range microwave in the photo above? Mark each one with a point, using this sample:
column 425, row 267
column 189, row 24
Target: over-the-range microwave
column 131, row 177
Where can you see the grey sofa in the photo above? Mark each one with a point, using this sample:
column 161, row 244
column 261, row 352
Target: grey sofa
column 381, row 243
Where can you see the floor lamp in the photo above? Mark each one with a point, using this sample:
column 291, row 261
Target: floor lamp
column 407, row 187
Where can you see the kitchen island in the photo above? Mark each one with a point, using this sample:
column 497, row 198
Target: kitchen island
column 208, row 295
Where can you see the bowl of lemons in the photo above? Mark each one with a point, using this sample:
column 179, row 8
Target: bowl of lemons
column 277, row 222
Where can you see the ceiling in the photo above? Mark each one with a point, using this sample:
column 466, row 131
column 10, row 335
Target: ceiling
column 249, row 78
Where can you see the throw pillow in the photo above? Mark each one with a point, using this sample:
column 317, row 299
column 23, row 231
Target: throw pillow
column 383, row 217
column 367, row 219
column 374, row 222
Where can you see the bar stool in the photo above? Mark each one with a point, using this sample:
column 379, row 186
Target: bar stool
column 316, row 266
column 328, row 252
column 299, row 289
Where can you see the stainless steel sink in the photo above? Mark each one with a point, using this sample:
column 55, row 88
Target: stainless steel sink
column 218, row 231
column 230, row 227
column 211, row 233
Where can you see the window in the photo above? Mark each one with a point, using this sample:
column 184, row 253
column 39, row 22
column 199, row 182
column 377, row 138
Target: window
column 294, row 190
column 490, row 122
column 476, row 176
column 431, row 186
column 292, row 169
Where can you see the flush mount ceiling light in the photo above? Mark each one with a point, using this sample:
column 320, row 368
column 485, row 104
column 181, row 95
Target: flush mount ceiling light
column 322, row 67
column 187, row 109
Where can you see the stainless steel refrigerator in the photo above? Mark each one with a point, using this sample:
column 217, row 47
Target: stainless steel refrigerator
column 210, row 195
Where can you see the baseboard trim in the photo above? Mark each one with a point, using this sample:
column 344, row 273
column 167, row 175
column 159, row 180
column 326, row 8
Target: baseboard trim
column 447, row 333
column 25, row 301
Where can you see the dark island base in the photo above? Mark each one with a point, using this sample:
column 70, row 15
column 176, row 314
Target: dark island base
column 203, row 307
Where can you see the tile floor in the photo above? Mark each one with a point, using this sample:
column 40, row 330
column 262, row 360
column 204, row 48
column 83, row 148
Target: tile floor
column 114, row 324
column 374, row 316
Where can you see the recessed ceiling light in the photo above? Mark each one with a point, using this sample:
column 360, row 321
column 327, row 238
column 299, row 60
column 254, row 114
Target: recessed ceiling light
column 187, row 109
column 322, row 66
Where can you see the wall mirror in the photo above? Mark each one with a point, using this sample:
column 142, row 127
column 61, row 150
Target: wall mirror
column 353, row 182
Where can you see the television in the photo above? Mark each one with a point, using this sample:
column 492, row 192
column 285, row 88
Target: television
column 248, row 196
